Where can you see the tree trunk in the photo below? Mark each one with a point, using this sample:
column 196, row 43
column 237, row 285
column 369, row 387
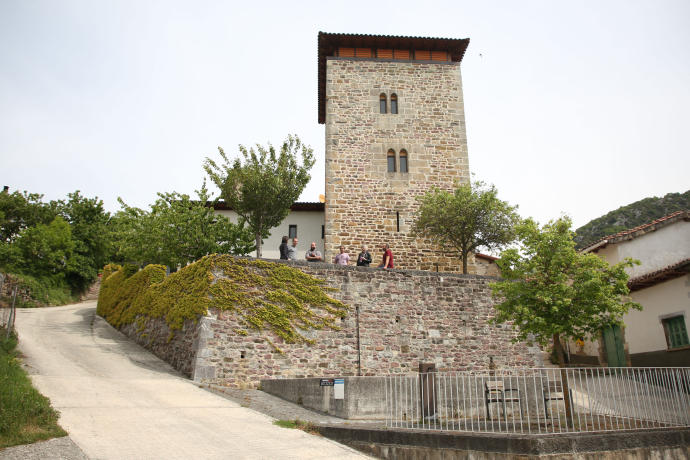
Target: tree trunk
column 464, row 262
column 258, row 245
column 564, row 379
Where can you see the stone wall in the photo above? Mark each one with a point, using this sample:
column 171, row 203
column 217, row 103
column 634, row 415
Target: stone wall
column 179, row 349
column 365, row 204
column 403, row 318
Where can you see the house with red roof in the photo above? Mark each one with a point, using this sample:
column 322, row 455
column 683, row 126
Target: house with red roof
column 657, row 335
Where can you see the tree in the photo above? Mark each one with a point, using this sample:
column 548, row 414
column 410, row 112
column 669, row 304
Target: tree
column 88, row 223
column 470, row 217
column 551, row 292
column 22, row 210
column 262, row 189
column 177, row 231
column 44, row 250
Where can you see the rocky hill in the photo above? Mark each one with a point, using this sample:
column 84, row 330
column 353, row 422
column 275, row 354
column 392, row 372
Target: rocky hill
column 632, row 215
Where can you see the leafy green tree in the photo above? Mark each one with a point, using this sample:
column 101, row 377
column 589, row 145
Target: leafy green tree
column 469, row 218
column 178, row 231
column 22, row 210
column 44, row 249
column 551, row 292
column 88, row 223
column 262, row 189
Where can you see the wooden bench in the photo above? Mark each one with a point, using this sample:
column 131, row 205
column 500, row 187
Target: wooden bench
column 495, row 391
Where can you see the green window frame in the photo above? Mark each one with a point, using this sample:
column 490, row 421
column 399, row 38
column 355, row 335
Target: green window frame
column 676, row 332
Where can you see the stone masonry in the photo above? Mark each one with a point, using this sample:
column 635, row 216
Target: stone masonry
column 365, row 204
column 403, row 317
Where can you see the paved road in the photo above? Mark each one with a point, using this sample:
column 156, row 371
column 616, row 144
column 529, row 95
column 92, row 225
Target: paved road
column 117, row 400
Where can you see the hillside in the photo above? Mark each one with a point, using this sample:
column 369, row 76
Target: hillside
column 632, row 215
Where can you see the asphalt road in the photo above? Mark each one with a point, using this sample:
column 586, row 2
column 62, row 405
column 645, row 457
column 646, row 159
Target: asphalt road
column 117, row 400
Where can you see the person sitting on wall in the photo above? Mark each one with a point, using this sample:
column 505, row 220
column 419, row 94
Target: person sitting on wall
column 292, row 250
column 387, row 257
column 364, row 258
column 283, row 248
column 343, row 258
column 313, row 254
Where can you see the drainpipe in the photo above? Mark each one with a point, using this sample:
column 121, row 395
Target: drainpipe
column 359, row 356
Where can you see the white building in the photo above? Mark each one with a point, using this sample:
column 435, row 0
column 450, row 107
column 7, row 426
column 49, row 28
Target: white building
column 657, row 335
column 305, row 221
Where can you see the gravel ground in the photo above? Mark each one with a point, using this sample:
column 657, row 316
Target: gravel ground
column 53, row 449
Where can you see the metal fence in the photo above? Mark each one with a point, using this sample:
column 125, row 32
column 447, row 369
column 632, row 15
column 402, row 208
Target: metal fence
column 540, row 401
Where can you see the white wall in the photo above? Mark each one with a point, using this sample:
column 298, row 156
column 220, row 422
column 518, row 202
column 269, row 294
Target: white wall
column 655, row 250
column 308, row 229
column 644, row 331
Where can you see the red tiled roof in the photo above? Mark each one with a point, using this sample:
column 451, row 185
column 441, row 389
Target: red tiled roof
column 640, row 230
column 676, row 270
column 328, row 42
column 486, row 257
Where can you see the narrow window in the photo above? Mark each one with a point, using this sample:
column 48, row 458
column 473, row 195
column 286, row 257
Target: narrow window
column 394, row 103
column 403, row 161
column 292, row 232
column 676, row 333
column 382, row 103
column 323, row 231
column 391, row 160
column 397, row 220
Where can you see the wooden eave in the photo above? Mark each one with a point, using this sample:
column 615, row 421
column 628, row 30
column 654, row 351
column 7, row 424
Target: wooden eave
column 328, row 43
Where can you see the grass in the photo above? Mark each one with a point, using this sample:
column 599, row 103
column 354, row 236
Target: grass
column 25, row 415
column 298, row 424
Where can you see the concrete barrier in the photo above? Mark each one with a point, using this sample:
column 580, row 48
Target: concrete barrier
column 363, row 397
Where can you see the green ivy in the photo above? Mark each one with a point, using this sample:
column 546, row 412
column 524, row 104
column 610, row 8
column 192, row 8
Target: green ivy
column 264, row 296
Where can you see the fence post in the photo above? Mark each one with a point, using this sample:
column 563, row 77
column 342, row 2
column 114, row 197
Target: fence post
column 10, row 320
column 427, row 386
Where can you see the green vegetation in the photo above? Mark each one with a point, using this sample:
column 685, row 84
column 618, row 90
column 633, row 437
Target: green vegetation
column 551, row 292
column 177, row 231
column 262, row 189
column 263, row 295
column 55, row 249
column 25, row 415
column 298, row 424
column 470, row 217
column 630, row 216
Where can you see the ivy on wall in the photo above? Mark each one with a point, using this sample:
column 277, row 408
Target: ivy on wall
column 264, row 296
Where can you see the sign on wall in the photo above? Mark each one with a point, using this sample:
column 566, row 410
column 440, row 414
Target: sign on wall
column 339, row 389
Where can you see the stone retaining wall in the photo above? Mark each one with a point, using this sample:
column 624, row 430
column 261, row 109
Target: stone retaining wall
column 404, row 317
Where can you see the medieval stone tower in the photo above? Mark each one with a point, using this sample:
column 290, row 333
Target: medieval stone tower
column 395, row 128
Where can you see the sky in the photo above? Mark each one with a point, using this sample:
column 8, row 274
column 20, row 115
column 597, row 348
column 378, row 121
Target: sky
column 572, row 108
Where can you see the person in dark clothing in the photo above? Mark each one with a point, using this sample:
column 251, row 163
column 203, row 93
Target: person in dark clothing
column 283, row 248
column 364, row 258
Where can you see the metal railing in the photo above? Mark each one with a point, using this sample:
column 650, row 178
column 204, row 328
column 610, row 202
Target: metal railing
column 540, row 401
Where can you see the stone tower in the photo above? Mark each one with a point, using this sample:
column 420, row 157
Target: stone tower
column 395, row 128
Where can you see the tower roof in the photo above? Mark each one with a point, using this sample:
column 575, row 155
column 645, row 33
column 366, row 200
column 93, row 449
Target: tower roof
column 329, row 43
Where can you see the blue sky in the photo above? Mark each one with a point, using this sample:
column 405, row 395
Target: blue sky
column 571, row 107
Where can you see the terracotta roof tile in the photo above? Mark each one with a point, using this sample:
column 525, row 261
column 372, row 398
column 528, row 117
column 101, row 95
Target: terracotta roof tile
column 676, row 270
column 640, row 230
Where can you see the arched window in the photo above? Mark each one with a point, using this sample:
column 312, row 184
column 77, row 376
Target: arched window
column 391, row 160
column 403, row 161
column 394, row 103
column 382, row 103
